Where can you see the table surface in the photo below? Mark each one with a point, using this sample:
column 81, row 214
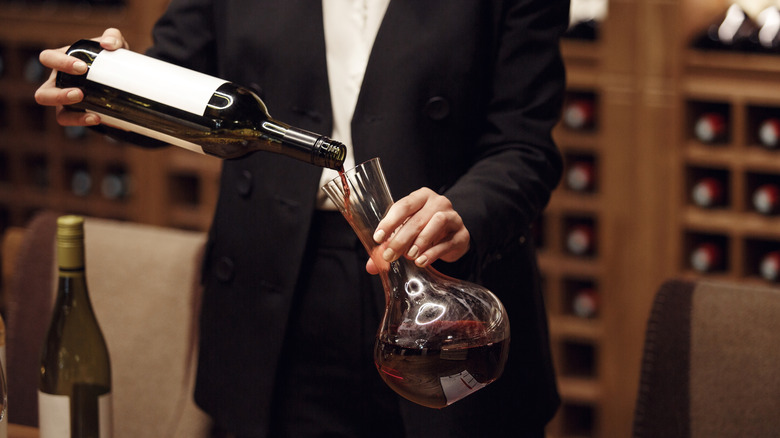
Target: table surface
column 19, row 431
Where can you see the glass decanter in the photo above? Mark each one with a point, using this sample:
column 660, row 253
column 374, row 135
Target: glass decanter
column 440, row 338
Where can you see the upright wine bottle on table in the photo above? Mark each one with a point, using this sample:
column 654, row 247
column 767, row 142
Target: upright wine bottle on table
column 189, row 109
column 74, row 392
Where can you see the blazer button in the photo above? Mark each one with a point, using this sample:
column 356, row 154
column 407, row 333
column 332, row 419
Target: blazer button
column 224, row 269
column 437, row 108
column 244, row 184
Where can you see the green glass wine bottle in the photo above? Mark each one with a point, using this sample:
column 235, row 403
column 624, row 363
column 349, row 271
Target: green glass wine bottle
column 74, row 397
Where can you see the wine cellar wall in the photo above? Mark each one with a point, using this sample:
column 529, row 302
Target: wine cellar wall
column 671, row 169
column 46, row 166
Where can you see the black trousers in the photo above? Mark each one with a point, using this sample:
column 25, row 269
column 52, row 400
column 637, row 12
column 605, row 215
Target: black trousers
column 327, row 385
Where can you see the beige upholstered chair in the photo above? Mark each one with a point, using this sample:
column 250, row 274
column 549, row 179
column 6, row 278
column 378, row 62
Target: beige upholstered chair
column 143, row 282
column 711, row 365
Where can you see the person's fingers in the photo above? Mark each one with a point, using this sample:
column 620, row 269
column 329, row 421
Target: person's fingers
column 112, row 39
column 57, row 59
column 66, row 117
column 449, row 248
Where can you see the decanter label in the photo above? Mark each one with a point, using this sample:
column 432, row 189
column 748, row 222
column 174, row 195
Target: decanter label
column 458, row 386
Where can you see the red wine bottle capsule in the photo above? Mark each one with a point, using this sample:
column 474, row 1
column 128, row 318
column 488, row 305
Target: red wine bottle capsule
column 706, row 257
column 579, row 114
column 769, row 133
column 585, row 303
column 580, row 240
column 770, row 266
column 710, row 128
column 580, row 176
column 766, row 199
column 708, row 192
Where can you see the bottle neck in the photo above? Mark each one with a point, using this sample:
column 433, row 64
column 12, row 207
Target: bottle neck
column 72, row 275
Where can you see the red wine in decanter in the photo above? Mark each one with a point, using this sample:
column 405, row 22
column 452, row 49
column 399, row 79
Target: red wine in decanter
column 439, row 377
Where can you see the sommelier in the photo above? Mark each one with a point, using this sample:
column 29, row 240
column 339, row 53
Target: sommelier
column 458, row 100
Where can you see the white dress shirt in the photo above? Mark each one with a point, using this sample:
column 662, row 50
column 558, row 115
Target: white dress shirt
column 350, row 29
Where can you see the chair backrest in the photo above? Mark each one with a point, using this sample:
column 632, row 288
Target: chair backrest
column 711, row 362
column 143, row 283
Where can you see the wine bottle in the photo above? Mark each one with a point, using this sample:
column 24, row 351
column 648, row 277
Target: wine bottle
column 189, row 109
column 770, row 266
column 731, row 31
column 711, row 128
column 34, row 71
column 767, row 34
column 74, row 392
column 115, row 185
column 579, row 176
column 769, row 132
column 585, row 303
column 579, row 114
column 580, row 240
column 708, row 192
column 707, row 257
column 81, row 182
column 585, row 18
column 766, row 199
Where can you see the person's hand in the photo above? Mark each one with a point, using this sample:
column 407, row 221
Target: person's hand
column 422, row 227
column 56, row 59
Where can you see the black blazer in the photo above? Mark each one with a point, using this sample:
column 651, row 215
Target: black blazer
column 459, row 96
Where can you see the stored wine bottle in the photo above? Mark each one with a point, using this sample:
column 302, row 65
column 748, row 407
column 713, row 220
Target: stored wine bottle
column 34, row 71
column 769, row 133
column 115, row 185
column 579, row 114
column 770, row 266
column 585, row 303
column 711, row 128
column 580, row 240
column 189, row 109
column 767, row 34
column 580, row 176
column 707, row 257
column 708, row 192
column 81, row 182
column 731, row 31
column 74, row 397
column 585, row 18
column 766, row 199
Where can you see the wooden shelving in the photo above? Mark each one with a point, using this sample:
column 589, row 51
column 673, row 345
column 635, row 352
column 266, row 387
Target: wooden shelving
column 46, row 166
column 743, row 88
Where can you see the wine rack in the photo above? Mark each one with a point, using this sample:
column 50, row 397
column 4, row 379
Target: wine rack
column 598, row 300
column 741, row 88
column 46, row 166
column 571, row 253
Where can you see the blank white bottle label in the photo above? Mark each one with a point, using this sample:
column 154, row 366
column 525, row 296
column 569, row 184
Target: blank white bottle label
column 153, row 79
column 458, row 386
column 54, row 415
